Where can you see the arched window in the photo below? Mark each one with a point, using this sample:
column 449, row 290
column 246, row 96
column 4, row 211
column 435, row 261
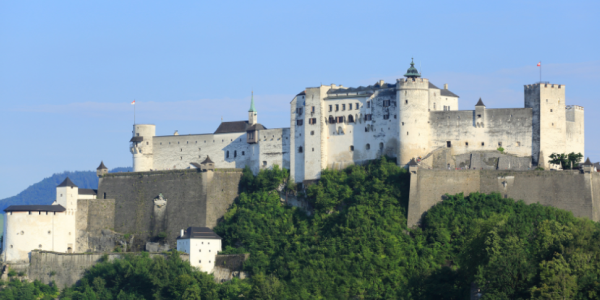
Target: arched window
column 227, row 154
column 331, row 119
column 351, row 119
column 340, row 130
column 300, row 149
column 368, row 146
column 368, row 104
column 381, row 146
column 235, row 154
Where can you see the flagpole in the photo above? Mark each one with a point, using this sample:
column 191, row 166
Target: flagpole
column 133, row 112
column 540, row 71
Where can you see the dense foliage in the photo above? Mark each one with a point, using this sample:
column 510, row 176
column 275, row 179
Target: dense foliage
column 566, row 161
column 15, row 289
column 355, row 245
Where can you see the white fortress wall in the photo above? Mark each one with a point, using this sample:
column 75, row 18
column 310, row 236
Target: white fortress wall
column 178, row 151
column 575, row 130
column 141, row 146
column 296, row 158
column 25, row 231
column 413, row 117
column 506, row 128
column 274, row 145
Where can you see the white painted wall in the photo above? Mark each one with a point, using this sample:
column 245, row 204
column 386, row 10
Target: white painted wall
column 26, row 231
column 202, row 252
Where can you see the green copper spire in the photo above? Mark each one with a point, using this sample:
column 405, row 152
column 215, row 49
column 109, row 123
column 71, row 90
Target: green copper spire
column 412, row 72
column 252, row 109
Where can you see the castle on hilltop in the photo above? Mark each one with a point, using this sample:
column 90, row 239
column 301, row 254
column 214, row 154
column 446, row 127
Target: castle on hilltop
column 335, row 126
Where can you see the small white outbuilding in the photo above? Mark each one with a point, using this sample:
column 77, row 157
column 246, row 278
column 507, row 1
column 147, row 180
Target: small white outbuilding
column 202, row 244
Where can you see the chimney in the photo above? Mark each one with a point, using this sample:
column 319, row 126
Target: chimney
column 445, row 86
column 181, row 233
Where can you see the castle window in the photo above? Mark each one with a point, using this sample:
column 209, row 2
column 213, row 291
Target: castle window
column 402, row 123
column 351, row 148
column 381, row 146
column 368, row 146
column 518, row 144
column 312, row 109
column 343, row 106
column 227, row 154
column 356, row 105
column 40, row 245
column 49, row 232
column 299, row 110
column 235, row 154
column 368, row 117
column 466, row 144
column 187, row 142
column 482, row 144
column 330, row 108
column 340, row 119
column 386, row 117
column 337, row 107
column 137, row 134
column 499, row 144
column 405, row 101
column 433, row 105
column 551, row 110
column 350, row 118
column 312, row 121
column 368, row 104
column 350, row 106
column 331, row 119
column 299, row 122
column 313, row 149
column 448, row 144
column 147, row 143
column 478, row 116
column 300, row 149
column 340, row 130
column 407, row 133
column 181, row 150
column 366, row 129
column 243, row 153
column 161, row 143
column 312, row 132
column 386, row 103
column 264, row 165
column 104, row 195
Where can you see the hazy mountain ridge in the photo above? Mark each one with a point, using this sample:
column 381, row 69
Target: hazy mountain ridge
column 44, row 192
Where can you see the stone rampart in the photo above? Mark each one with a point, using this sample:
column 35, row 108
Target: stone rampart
column 193, row 198
column 568, row 190
column 66, row 269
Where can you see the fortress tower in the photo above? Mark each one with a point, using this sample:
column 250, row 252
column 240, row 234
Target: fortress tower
column 547, row 102
column 413, row 116
column 141, row 147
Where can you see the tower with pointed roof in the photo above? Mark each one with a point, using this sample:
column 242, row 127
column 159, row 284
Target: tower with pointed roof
column 413, row 115
column 101, row 170
column 252, row 113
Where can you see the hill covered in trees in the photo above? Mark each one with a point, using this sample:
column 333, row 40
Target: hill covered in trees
column 44, row 192
column 356, row 246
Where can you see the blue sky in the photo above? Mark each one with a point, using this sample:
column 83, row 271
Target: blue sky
column 69, row 69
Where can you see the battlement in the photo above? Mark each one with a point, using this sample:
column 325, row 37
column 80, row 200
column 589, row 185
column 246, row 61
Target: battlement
column 413, row 83
column 574, row 107
column 544, row 85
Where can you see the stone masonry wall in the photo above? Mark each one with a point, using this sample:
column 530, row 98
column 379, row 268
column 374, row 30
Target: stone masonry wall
column 193, row 199
column 568, row 190
column 67, row 269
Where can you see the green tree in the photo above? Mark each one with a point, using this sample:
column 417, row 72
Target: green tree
column 566, row 160
column 556, row 280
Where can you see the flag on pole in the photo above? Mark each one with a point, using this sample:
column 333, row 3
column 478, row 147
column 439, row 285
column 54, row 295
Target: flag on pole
column 133, row 103
column 539, row 65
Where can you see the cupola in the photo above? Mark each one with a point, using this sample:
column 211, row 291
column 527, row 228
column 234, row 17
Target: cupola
column 412, row 72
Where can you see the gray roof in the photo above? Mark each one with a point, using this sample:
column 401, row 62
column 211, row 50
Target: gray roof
column 235, row 126
column 597, row 165
column 87, row 192
column 367, row 89
column 448, row 93
column 479, row 103
column 443, row 92
column 137, row 139
column 199, row 233
column 196, row 165
column 102, row 166
column 67, row 182
column 587, row 162
column 207, row 160
column 256, row 126
column 55, row 208
column 412, row 162
column 302, row 93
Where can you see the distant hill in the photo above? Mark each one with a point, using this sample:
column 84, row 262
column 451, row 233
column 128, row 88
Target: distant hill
column 44, row 192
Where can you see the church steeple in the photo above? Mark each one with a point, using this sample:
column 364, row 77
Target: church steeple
column 412, row 72
column 252, row 109
column 252, row 113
